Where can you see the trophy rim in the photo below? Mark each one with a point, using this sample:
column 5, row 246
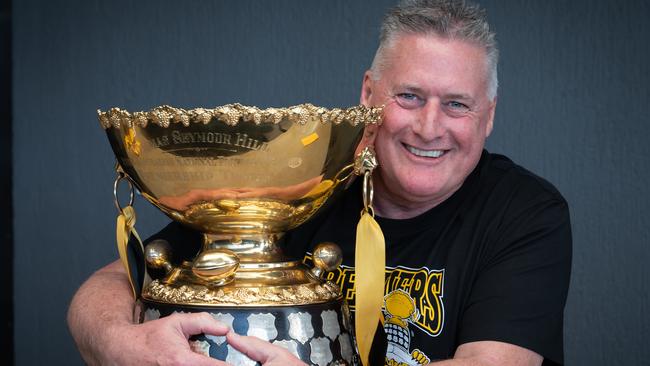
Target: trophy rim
column 123, row 126
column 234, row 113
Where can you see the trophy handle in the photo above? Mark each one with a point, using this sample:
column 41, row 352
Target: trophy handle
column 129, row 244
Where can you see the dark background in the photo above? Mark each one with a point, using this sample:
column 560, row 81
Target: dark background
column 573, row 107
column 6, row 210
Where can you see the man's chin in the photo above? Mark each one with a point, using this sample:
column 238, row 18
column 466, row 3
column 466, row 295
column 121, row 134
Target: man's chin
column 422, row 192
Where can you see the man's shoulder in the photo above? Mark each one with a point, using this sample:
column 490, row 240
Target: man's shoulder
column 184, row 241
column 501, row 174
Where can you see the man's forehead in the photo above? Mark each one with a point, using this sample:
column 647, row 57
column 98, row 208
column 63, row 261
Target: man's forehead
column 413, row 48
column 456, row 68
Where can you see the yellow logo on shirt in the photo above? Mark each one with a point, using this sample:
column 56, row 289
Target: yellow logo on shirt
column 423, row 286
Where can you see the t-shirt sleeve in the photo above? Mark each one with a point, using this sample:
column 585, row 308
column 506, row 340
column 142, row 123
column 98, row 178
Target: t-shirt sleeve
column 184, row 242
column 519, row 294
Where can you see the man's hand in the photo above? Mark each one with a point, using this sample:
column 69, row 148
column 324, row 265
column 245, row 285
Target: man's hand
column 100, row 319
column 262, row 351
column 161, row 342
column 166, row 343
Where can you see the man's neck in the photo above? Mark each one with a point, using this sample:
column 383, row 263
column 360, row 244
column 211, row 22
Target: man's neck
column 388, row 204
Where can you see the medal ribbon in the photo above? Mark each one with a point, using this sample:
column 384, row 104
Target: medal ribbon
column 369, row 262
column 126, row 228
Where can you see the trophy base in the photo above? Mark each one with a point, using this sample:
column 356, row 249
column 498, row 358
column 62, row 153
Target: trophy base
column 317, row 334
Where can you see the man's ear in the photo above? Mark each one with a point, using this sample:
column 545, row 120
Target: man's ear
column 368, row 139
column 370, row 131
column 490, row 121
column 366, row 89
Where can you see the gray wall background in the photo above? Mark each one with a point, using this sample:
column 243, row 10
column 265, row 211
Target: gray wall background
column 573, row 107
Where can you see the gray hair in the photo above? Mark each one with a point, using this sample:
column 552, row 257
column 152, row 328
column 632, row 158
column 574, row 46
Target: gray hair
column 452, row 19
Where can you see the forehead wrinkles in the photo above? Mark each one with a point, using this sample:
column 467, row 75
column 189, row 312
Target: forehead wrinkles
column 397, row 54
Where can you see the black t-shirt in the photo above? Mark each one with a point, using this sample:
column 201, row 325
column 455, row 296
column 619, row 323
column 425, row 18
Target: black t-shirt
column 492, row 262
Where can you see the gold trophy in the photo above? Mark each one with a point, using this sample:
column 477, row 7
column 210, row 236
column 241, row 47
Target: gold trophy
column 242, row 176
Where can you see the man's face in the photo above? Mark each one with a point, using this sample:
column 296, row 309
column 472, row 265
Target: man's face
column 437, row 116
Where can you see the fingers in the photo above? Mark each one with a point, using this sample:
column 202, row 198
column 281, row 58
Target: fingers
column 262, row 351
column 252, row 347
column 197, row 323
column 163, row 341
column 196, row 359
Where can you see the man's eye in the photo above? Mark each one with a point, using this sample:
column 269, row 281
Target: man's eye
column 457, row 106
column 408, row 96
column 408, row 100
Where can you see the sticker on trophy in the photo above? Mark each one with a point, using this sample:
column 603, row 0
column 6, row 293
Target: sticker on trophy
column 131, row 142
column 308, row 140
column 295, row 162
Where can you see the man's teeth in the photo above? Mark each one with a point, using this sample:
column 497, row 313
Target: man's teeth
column 425, row 153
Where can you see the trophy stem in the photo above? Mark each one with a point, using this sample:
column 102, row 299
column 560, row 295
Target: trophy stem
column 244, row 269
column 249, row 248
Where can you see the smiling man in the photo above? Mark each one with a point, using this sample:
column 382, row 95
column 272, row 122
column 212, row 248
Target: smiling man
column 439, row 109
column 478, row 249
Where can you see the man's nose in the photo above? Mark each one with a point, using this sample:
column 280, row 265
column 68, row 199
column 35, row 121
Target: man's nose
column 428, row 125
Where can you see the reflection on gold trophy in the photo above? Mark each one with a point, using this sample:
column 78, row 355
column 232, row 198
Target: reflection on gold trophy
column 242, row 176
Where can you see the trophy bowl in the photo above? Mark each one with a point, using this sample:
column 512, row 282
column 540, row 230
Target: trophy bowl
column 242, row 176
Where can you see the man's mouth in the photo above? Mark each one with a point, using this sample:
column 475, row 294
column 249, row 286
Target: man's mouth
column 424, row 153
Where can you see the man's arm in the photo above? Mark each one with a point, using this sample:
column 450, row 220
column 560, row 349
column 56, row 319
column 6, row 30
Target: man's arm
column 483, row 353
column 100, row 319
column 491, row 353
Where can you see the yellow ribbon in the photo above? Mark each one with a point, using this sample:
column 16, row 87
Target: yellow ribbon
column 369, row 263
column 126, row 227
